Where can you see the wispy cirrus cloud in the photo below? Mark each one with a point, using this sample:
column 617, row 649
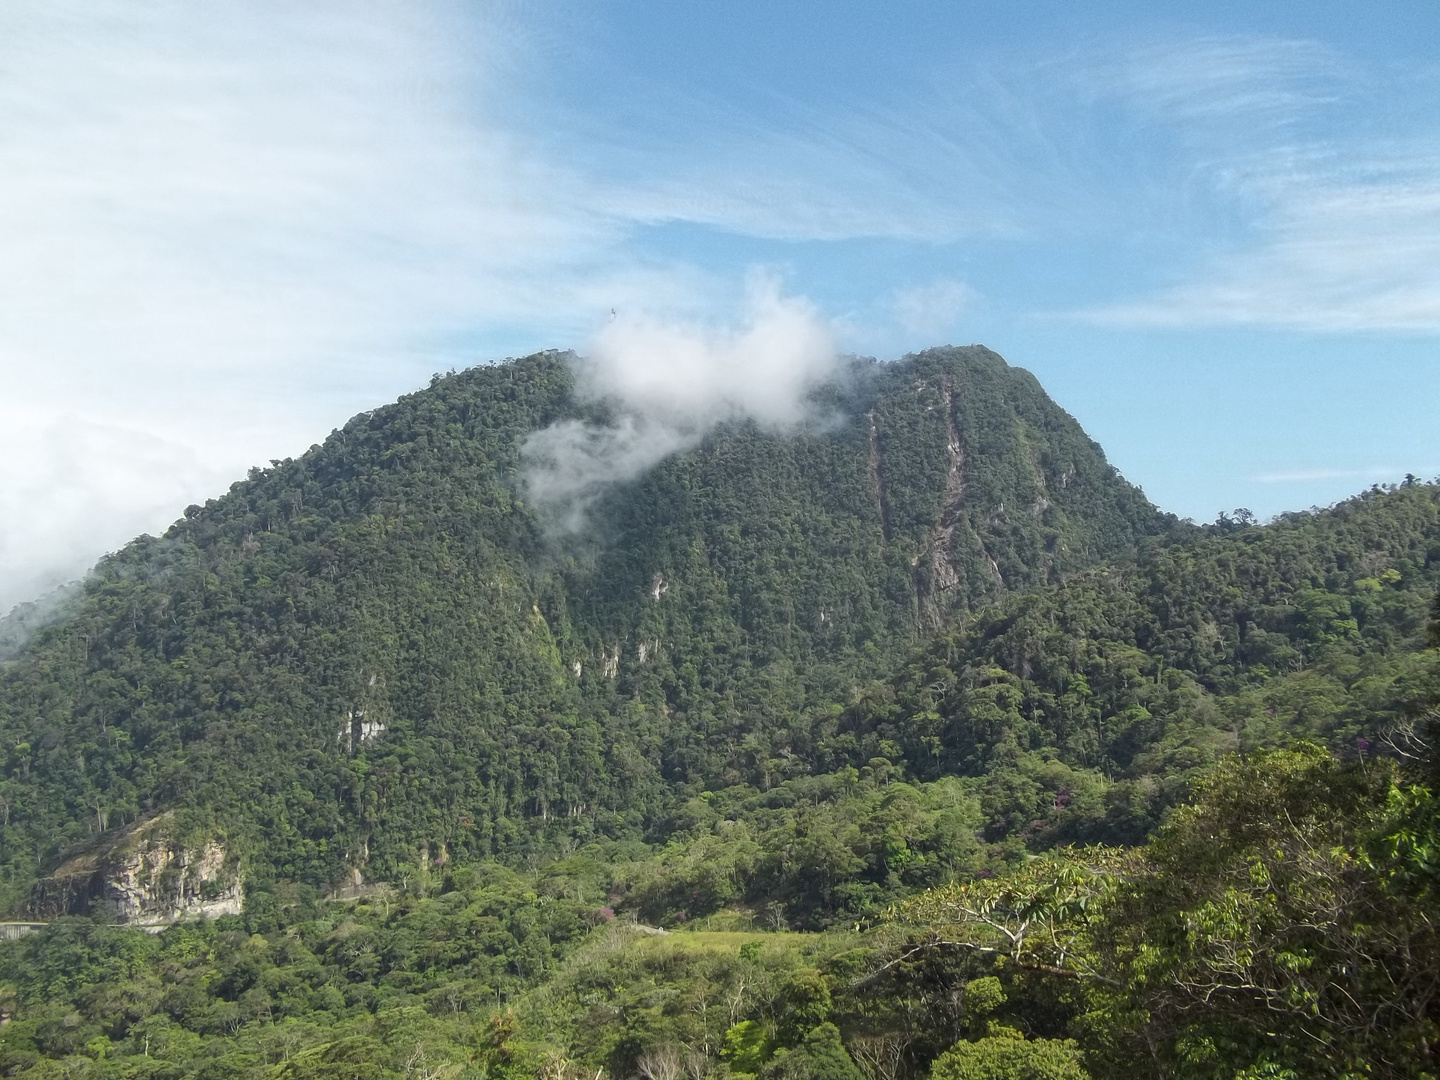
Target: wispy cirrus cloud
column 1334, row 223
column 1219, row 78
column 1353, row 248
column 224, row 228
column 908, row 169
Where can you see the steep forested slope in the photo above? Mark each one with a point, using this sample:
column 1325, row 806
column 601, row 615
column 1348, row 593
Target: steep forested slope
column 845, row 710
column 1075, row 713
column 376, row 654
column 1313, row 626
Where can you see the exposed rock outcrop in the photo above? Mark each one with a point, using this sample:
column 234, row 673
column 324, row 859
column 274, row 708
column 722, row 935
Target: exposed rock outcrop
column 146, row 876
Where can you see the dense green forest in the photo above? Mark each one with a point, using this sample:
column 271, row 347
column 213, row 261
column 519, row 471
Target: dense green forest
column 1280, row 925
column 913, row 742
column 533, row 690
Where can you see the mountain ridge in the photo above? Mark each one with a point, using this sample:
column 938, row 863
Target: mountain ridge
column 395, row 580
column 1021, row 766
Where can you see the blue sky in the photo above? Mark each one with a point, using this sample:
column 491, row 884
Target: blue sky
column 1213, row 231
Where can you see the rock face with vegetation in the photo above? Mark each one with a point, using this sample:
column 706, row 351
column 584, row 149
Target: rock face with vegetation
column 144, row 876
column 934, row 748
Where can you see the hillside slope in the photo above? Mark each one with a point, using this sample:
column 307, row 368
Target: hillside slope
column 375, row 659
column 375, row 656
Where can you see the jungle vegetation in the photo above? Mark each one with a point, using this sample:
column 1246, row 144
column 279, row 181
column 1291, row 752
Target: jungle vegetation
column 913, row 742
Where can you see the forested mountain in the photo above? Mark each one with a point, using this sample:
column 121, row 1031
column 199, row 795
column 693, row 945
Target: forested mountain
column 377, row 649
column 934, row 745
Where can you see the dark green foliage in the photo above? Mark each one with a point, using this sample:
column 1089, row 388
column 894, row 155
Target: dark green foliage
column 1287, row 920
column 1010, row 1057
column 821, row 1056
column 318, row 987
column 848, row 679
column 1282, row 924
column 816, row 850
column 1086, row 707
column 372, row 652
column 1074, row 714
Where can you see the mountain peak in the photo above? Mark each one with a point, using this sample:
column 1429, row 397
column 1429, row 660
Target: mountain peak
column 384, row 644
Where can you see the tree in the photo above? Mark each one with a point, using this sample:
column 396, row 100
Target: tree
column 1282, row 920
column 1010, row 1057
column 820, row 1056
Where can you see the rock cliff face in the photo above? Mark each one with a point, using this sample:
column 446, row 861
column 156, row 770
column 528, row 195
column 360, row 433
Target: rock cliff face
column 146, row 877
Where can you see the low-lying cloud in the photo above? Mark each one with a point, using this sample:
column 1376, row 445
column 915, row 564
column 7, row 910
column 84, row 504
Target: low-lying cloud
column 671, row 384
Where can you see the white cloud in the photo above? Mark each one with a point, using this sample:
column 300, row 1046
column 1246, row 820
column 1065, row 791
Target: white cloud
column 761, row 368
column 1332, row 223
column 239, row 185
column 226, row 226
column 1350, row 249
column 670, row 384
column 70, row 480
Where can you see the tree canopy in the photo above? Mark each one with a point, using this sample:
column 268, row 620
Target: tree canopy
column 912, row 742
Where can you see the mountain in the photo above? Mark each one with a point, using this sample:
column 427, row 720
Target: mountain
column 379, row 654
column 910, row 743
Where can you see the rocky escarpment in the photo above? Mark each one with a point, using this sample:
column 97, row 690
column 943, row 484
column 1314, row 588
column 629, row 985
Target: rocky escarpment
column 145, row 877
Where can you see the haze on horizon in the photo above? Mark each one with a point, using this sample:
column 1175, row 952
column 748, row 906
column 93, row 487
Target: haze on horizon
column 1213, row 233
